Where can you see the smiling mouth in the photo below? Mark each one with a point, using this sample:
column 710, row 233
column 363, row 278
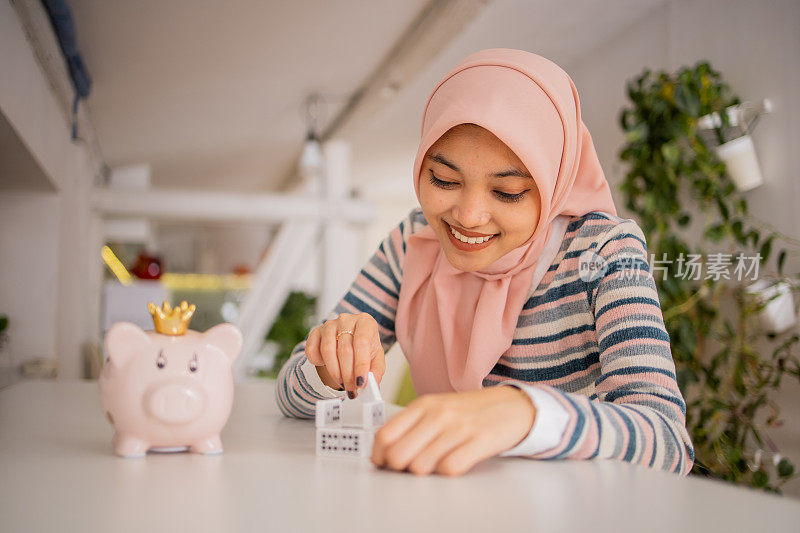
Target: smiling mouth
column 464, row 242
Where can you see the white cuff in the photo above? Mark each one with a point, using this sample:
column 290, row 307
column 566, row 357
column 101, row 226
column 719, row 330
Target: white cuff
column 310, row 372
column 548, row 426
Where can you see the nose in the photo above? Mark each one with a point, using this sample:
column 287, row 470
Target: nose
column 470, row 211
column 174, row 403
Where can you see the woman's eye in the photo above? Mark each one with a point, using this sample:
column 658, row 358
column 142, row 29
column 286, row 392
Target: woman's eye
column 510, row 197
column 441, row 183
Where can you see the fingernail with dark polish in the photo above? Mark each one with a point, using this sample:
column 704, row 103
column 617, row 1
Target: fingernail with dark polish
column 351, row 394
column 359, row 381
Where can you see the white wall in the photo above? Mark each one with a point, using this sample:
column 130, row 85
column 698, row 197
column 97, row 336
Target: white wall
column 29, row 271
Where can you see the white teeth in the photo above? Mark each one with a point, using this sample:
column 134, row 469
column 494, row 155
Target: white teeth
column 470, row 240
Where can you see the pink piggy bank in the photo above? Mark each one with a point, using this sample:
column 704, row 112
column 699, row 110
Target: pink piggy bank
column 167, row 392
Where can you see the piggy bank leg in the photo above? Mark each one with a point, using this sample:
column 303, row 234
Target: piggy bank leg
column 127, row 446
column 208, row 446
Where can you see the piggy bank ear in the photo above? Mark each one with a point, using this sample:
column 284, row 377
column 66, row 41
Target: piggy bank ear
column 225, row 337
column 123, row 341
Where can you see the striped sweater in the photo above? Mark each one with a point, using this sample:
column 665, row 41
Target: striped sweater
column 595, row 345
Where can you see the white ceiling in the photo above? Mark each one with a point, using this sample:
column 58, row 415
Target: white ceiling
column 209, row 93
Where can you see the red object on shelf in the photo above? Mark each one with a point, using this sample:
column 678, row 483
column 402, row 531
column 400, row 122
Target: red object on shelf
column 242, row 269
column 147, row 267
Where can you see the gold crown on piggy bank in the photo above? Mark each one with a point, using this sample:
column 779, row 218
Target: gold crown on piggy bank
column 169, row 320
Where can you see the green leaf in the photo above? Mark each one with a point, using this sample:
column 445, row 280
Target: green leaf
column 729, row 329
column 760, row 478
column 687, row 101
column 687, row 336
column 737, row 231
column 754, row 237
column 766, row 248
column 625, row 118
column 738, row 380
column 723, row 209
column 637, row 133
column 671, row 153
column 741, row 206
column 715, row 232
column 785, row 468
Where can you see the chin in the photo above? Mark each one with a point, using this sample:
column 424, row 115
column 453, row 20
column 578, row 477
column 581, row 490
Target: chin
column 465, row 265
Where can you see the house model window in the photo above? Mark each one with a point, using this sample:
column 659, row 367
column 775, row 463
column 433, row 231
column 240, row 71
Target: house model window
column 345, row 428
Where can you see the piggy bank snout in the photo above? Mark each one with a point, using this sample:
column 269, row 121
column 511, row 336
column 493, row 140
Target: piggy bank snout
column 174, row 402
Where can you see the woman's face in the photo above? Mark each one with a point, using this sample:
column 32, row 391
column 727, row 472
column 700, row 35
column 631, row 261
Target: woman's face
column 471, row 182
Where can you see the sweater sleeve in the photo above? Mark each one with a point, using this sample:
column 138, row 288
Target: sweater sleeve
column 639, row 414
column 375, row 290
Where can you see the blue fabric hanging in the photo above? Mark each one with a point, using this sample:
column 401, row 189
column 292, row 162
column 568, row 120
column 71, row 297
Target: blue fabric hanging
column 64, row 28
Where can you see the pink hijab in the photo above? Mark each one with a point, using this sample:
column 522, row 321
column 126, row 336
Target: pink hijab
column 453, row 326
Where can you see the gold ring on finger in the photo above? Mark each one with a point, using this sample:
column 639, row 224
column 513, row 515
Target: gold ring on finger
column 343, row 332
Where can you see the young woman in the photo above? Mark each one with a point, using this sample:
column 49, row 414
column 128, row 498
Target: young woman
column 515, row 270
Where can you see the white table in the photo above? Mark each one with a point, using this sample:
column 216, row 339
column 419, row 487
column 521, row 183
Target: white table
column 58, row 473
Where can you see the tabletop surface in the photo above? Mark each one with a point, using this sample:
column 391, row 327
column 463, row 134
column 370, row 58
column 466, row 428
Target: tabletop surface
column 58, row 472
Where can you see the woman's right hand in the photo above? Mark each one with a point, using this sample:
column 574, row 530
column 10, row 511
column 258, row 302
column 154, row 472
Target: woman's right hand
column 346, row 363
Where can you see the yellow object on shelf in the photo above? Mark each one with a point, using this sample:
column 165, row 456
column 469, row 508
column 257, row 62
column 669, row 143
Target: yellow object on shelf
column 189, row 281
column 115, row 266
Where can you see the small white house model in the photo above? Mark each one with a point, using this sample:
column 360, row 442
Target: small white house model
column 344, row 430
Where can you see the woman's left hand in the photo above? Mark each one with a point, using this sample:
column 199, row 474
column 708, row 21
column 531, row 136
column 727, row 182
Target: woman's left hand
column 448, row 433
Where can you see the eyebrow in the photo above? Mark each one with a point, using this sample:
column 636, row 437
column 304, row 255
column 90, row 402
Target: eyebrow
column 511, row 171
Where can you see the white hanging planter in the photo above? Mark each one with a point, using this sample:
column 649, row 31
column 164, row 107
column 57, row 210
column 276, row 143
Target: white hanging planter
column 778, row 314
column 739, row 156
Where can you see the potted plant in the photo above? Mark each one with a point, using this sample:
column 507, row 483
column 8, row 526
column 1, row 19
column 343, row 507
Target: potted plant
column 728, row 364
